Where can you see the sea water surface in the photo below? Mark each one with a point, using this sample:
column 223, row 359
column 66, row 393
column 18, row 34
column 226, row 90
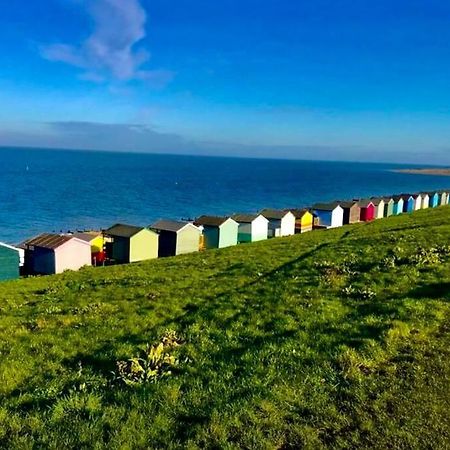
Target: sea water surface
column 53, row 191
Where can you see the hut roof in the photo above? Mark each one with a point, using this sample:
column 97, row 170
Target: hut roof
column 211, row 221
column 364, row 203
column 269, row 213
column 388, row 199
column 298, row 212
column 348, row 204
column 326, row 206
column 122, row 230
column 169, row 225
column 245, row 218
column 377, row 200
column 406, row 196
column 396, row 198
column 86, row 236
column 48, row 241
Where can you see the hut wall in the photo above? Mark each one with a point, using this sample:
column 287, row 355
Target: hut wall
column 144, row 245
column 121, row 250
column 188, row 240
column 72, row 256
column 337, row 217
column 245, row 232
column 259, row 229
column 228, row 234
column 9, row 263
column 167, row 245
column 211, row 237
column 288, row 225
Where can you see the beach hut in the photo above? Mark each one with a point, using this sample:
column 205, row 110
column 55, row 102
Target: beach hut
column 352, row 212
column 48, row 254
column 304, row 220
column 218, row 232
column 417, row 201
column 425, row 200
column 281, row 223
column 367, row 210
column 434, row 199
column 9, row 262
column 129, row 243
column 379, row 207
column 97, row 242
column 388, row 206
column 176, row 238
column 443, row 198
column 252, row 227
column 330, row 215
column 409, row 203
column 398, row 205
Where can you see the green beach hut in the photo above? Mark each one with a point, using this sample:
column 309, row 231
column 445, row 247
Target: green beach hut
column 9, row 262
column 131, row 244
column 389, row 203
column 218, row 232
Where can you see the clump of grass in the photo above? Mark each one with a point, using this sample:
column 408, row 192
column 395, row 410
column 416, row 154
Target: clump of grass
column 155, row 361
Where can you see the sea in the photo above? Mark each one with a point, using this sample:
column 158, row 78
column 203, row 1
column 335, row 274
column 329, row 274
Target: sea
column 60, row 191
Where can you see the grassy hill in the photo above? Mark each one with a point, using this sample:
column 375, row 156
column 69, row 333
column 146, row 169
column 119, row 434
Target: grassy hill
column 335, row 339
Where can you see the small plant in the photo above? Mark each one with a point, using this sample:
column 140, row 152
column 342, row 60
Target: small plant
column 155, row 362
column 359, row 293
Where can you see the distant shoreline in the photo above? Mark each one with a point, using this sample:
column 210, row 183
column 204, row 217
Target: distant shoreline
column 437, row 172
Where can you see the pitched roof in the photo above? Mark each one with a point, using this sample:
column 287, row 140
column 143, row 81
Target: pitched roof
column 406, row 196
column 48, row 241
column 85, row 236
column 349, row 204
column 269, row 213
column 377, row 200
column 388, row 199
column 326, row 206
column 122, row 230
column 169, row 225
column 3, row 244
column 364, row 203
column 245, row 218
column 397, row 198
column 298, row 212
column 211, row 221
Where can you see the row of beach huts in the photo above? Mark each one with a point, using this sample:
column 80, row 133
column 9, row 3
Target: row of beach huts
column 122, row 244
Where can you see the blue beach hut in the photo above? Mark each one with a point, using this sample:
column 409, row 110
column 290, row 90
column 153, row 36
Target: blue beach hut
column 398, row 205
column 409, row 203
column 434, row 199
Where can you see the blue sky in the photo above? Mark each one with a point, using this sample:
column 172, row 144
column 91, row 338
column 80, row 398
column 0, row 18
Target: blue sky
column 327, row 79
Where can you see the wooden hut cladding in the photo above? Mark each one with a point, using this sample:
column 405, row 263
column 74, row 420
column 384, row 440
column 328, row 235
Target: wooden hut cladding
column 131, row 243
column 176, row 238
column 96, row 240
column 367, row 210
column 444, row 197
column 417, row 201
column 9, row 262
column 218, row 232
column 330, row 215
column 49, row 254
column 281, row 223
column 425, row 200
column 388, row 206
column 398, row 205
column 252, row 227
column 379, row 207
column 352, row 212
column 409, row 203
column 304, row 220
column 434, row 199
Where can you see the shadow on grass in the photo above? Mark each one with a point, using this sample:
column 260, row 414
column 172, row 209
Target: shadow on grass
column 432, row 290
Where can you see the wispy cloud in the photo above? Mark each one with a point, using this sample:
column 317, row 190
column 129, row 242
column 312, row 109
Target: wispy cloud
column 114, row 50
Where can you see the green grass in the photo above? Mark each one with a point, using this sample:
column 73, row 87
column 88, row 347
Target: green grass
column 335, row 339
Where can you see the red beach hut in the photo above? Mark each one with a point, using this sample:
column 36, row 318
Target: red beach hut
column 367, row 210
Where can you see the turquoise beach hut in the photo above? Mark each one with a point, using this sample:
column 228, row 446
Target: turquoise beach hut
column 9, row 262
column 218, row 232
column 409, row 203
column 434, row 199
column 398, row 205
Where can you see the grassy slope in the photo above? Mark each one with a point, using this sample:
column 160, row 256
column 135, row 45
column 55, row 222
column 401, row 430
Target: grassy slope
column 278, row 355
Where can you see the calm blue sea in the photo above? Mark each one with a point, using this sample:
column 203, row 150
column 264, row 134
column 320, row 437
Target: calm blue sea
column 52, row 191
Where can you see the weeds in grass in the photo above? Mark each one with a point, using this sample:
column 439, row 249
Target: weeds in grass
column 155, row 362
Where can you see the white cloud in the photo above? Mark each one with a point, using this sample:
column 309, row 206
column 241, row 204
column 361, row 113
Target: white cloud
column 111, row 52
